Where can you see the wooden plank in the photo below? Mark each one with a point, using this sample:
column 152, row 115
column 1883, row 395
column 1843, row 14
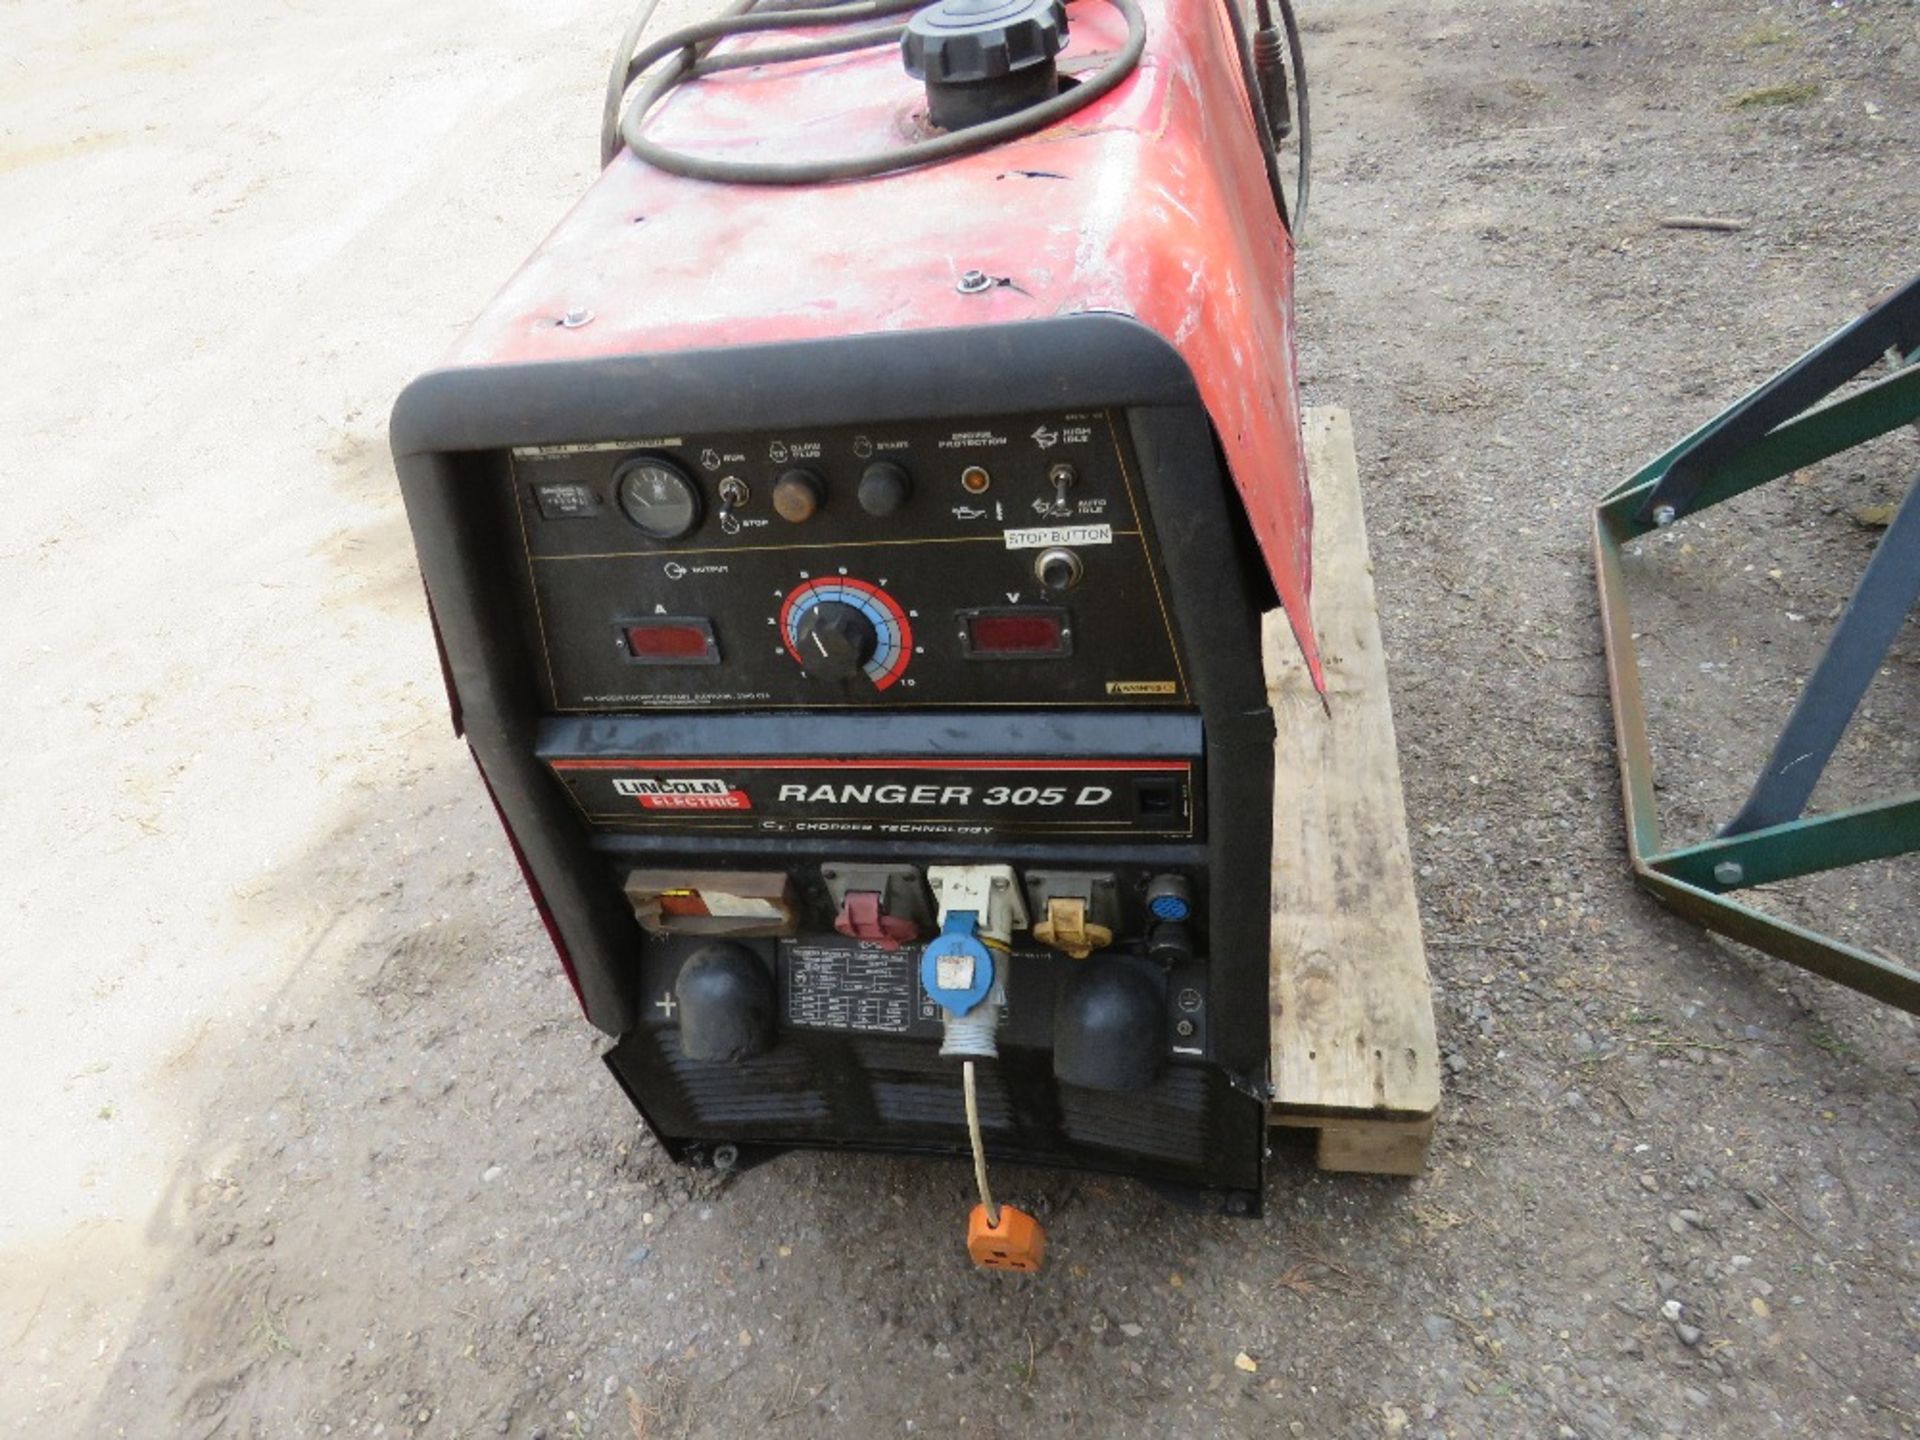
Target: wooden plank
column 1351, row 1007
column 1370, row 1145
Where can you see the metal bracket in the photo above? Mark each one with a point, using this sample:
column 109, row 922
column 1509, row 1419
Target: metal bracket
column 1777, row 429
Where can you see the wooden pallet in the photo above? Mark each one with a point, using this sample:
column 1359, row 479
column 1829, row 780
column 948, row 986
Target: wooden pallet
column 1351, row 1005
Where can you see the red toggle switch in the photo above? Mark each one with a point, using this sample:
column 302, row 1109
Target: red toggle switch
column 862, row 918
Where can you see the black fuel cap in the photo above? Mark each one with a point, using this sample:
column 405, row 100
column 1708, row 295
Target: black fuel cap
column 982, row 59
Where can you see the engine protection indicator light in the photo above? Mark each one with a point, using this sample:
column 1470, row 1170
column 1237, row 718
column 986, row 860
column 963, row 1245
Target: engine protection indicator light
column 670, row 640
column 1016, row 634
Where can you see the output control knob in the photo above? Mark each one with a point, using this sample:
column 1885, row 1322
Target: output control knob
column 884, row 488
column 835, row 640
column 797, row 494
column 1059, row 570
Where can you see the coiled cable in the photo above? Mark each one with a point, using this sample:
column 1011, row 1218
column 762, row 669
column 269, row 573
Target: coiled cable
column 684, row 55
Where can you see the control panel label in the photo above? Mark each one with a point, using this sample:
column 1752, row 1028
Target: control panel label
column 1040, row 537
column 851, row 987
column 1122, row 799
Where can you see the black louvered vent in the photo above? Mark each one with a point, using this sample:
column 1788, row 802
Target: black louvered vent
column 900, row 1094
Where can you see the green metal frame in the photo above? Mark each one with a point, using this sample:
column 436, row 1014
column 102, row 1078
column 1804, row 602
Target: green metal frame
column 1697, row 880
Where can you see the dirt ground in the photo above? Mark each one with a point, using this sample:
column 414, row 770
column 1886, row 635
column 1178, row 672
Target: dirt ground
column 304, row 1134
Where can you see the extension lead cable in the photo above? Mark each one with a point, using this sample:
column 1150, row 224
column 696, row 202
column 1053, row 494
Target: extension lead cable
column 999, row 1237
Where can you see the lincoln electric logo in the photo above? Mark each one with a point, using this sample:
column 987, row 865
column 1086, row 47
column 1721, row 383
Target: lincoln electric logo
column 684, row 794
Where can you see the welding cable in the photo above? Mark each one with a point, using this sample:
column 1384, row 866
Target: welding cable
column 618, row 79
column 1257, row 109
column 1294, row 216
column 979, row 1145
column 1303, row 116
column 625, row 70
column 689, row 47
column 683, row 52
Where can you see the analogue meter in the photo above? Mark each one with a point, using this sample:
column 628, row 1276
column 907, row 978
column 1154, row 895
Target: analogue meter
column 658, row 497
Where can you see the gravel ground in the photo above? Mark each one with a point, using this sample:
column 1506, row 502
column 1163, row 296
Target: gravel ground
column 347, row 1162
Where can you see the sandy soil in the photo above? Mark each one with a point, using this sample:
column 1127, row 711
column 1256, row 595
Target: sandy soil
column 304, row 1134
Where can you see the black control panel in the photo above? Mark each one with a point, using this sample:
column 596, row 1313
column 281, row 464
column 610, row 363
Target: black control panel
column 1001, row 561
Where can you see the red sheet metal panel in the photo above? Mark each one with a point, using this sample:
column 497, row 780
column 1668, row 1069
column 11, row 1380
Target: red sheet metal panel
column 1152, row 202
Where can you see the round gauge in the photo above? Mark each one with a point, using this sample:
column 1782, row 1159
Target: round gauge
column 657, row 497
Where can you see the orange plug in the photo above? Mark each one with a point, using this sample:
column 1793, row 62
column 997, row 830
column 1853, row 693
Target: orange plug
column 1016, row 1243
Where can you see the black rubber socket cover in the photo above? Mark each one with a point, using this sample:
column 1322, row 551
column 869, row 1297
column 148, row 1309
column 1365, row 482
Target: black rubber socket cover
column 726, row 1004
column 1109, row 1026
column 958, row 42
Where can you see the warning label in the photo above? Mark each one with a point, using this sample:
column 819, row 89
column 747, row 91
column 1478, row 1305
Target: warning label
column 833, row 987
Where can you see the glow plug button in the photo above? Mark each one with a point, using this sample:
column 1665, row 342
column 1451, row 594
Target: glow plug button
column 798, row 496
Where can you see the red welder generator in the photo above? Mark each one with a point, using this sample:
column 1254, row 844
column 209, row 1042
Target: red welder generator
column 847, row 539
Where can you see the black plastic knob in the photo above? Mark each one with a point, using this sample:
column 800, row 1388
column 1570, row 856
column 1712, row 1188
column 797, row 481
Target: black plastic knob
column 726, row 1004
column 1109, row 1026
column 884, row 488
column 982, row 59
column 835, row 640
